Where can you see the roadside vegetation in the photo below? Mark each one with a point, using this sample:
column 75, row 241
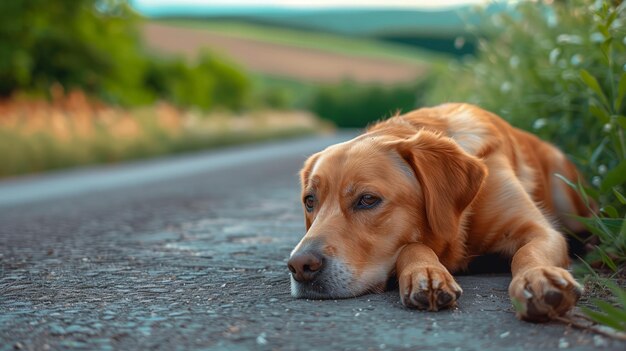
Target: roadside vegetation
column 73, row 130
column 559, row 71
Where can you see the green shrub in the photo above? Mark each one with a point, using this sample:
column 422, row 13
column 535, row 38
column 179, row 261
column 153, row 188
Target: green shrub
column 280, row 93
column 527, row 70
column 207, row 83
column 67, row 41
column 558, row 71
column 354, row 106
column 94, row 45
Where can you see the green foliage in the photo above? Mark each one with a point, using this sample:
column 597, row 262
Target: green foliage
column 207, row 83
column 559, row 71
column 281, row 93
column 613, row 312
column 42, row 42
column 346, row 104
column 94, row 45
column 354, row 106
column 528, row 71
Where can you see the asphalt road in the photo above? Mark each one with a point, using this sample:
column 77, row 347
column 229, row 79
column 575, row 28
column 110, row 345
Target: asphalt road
column 190, row 253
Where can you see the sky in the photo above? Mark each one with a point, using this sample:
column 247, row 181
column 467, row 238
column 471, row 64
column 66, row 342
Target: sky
column 418, row 4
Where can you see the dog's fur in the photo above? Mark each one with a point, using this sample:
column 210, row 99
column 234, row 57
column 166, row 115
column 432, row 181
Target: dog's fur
column 454, row 182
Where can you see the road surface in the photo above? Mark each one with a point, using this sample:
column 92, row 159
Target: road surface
column 190, row 253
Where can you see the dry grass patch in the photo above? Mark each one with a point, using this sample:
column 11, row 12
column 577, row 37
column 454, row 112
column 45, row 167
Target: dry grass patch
column 71, row 130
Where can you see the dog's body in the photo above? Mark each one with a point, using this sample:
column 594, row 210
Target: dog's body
column 420, row 195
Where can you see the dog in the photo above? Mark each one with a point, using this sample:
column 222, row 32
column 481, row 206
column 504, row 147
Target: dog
column 419, row 195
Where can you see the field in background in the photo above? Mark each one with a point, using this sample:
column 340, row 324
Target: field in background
column 306, row 39
column 344, row 79
column 291, row 54
column 432, row 29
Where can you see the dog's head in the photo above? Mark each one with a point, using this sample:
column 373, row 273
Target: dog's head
column 365, row 199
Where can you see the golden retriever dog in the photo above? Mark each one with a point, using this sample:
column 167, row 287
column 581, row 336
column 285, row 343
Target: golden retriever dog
column 419, row 195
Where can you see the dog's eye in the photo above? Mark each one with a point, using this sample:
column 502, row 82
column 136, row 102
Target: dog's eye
column 367, row 201
column 309, row 203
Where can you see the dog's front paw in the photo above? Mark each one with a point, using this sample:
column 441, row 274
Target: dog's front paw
column 542, row 293
column 428, row 288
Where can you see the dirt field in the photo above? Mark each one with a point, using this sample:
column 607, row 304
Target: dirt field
column 280, row 60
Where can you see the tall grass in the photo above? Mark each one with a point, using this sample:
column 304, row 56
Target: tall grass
column 606, row 103
column 37, row 135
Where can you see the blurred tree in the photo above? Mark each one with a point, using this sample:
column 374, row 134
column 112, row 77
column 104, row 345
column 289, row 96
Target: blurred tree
column 94, row 45
column 84, row 44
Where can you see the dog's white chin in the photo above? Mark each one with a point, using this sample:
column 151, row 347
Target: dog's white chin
column 338, row 282
column 335, row 281
column 326, row 291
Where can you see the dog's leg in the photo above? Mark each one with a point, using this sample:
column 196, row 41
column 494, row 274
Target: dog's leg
column 424, row 282
column 541, row 288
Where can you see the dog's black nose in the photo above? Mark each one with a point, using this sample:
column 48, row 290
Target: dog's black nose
column 305, row 265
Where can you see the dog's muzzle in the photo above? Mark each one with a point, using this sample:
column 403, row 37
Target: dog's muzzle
column 316, row 276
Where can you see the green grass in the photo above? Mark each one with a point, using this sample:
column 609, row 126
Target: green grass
column 312, row 40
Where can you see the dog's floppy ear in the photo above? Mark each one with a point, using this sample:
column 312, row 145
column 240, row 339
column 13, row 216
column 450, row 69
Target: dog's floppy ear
column 305, row 172
column 305, row 176
column 449, row 176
